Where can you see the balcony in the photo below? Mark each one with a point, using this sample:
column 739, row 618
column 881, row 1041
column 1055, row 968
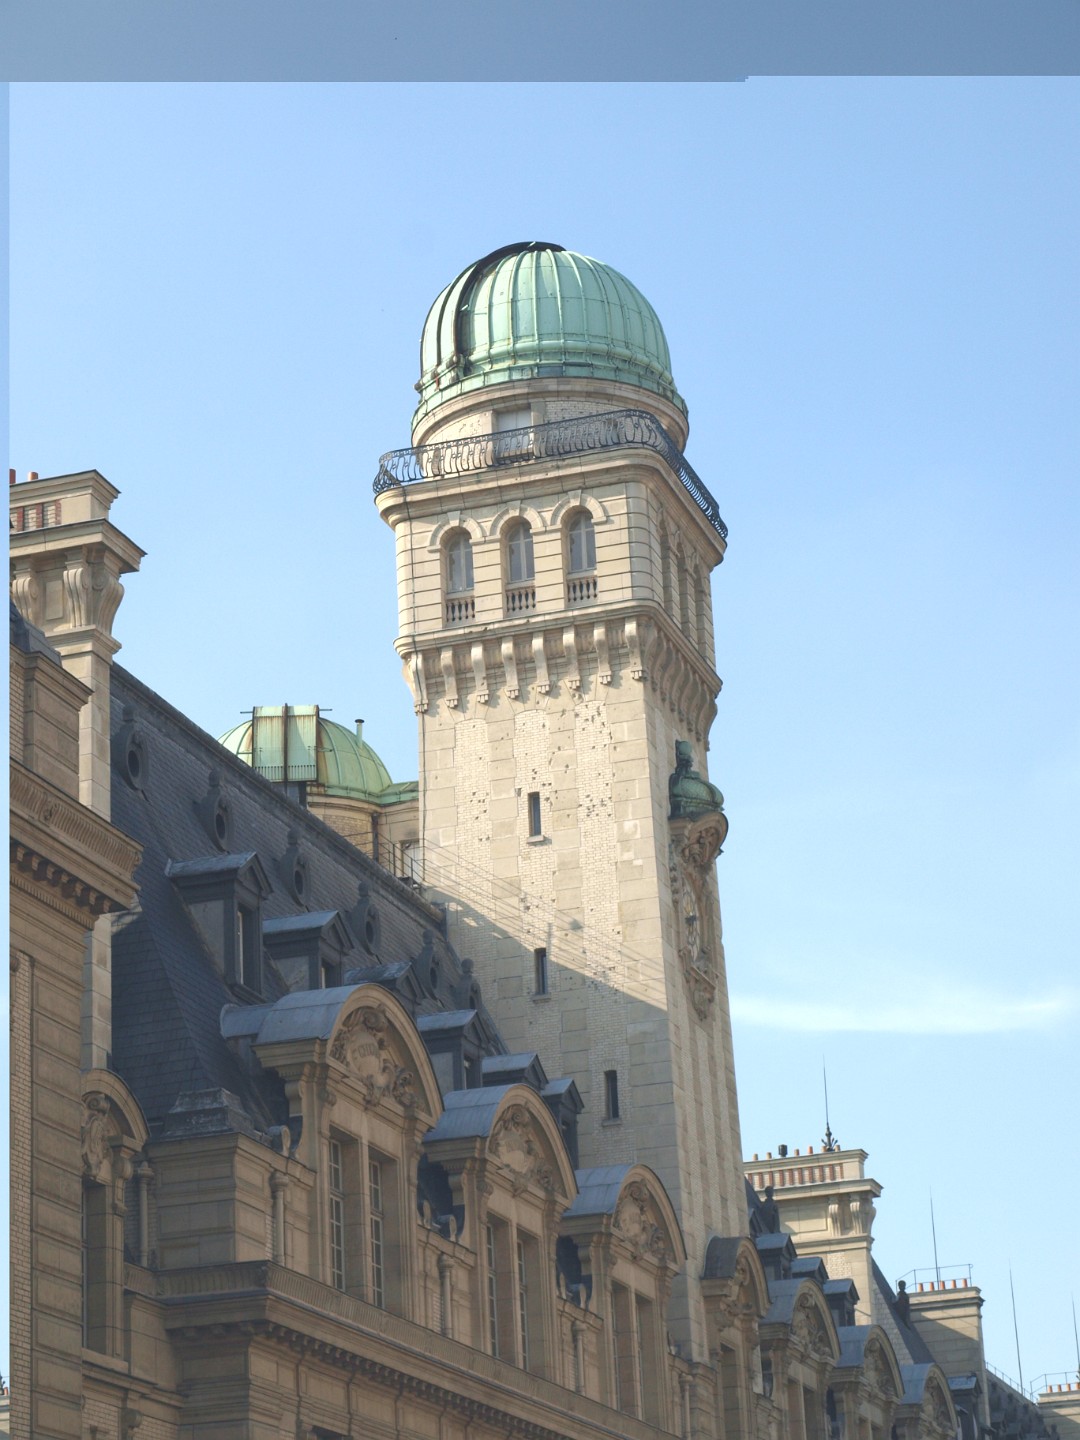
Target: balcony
column 612, row 430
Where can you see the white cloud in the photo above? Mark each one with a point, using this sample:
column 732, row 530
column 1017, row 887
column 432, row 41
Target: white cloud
column 925, row 1009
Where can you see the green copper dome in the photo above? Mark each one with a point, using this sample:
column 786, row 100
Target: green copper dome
column 533, row 311
column 295, row 742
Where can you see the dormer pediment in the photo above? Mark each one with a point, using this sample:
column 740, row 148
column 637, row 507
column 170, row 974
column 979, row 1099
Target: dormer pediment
column 509, row 1127
column 362, row 1034
column 629, row 1204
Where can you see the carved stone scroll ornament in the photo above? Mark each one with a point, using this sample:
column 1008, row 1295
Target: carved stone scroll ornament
column 96, row 1150
column 361, row 1045
column 516, row 1153
column 699, row 972
column 636, row 1223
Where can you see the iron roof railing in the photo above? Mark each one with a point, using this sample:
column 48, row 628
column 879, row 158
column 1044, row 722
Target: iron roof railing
column 614, row 429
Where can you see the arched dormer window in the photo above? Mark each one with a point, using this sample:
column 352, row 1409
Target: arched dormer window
column 520, row 568
column 458, row 578
column 580, row 558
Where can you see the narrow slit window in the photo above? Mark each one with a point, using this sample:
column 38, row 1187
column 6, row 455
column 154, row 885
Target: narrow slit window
column 540, row 971
column 534, row 813
column 611, row 1095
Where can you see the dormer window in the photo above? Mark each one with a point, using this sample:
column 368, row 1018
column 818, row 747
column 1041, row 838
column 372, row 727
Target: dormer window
column 308, row 951
column 224, row 895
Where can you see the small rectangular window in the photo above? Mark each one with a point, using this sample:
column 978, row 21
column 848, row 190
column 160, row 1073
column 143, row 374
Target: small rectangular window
column 611, row 1095
column 534, row 813
column 540, row 971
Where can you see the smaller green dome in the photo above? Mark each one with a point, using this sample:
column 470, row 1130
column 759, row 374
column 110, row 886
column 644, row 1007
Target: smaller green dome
column 690, row 796
column 533, row 310
column 294, row 742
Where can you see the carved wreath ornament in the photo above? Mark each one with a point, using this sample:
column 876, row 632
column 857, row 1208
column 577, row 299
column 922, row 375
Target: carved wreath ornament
column 361, row 1045
column 635, row 1223
column 516, row 1152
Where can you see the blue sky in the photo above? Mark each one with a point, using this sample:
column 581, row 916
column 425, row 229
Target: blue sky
column 870, row 292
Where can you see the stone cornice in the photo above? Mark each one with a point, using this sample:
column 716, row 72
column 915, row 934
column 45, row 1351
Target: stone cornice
column 259, row 1298
column 629, row 640
column 74, row 537
column 62, row 845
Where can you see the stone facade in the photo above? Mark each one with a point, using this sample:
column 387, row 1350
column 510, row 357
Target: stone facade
column 351, row 1155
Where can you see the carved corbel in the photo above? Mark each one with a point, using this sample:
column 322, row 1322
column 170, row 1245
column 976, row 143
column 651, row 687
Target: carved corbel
column 637, row 638
column 603, row 658
column 26, row 592
column 663, row 658
column 414, row 677
column 543, row 679
column 449, row 674
column 77, row 591
column 573, row 674
column 509, row 659
column 479, row 670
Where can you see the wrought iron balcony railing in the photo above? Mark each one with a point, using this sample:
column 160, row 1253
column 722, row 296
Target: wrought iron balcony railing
column 614, row 429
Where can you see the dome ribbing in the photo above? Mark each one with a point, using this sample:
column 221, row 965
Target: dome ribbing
column 534, row 311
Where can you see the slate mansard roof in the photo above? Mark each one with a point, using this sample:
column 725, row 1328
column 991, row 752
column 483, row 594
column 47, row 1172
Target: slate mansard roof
column 168, row 991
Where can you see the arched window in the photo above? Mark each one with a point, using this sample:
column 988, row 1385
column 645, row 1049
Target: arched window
column 520, row 569
column 582, row 543
column 519, row 552
column 580, row 558
column 460, row 604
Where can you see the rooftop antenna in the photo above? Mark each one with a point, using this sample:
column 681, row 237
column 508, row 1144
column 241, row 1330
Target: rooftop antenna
column 1016, row 1328
column 1076, row 1337
column 829, row 1140
column 933, row 1232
